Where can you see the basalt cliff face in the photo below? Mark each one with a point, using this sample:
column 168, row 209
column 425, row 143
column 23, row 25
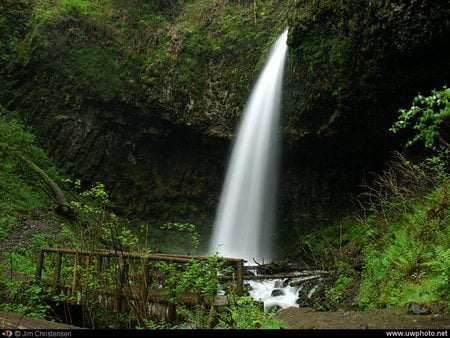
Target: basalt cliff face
column 145, row 97
column 352, row 66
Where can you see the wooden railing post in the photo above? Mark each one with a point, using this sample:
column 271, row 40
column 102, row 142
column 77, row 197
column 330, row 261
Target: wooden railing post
column 122, row 275
column 171, row 312
column 40, row 265
column 76, row 274
column 98, row 267
column 88, row 262
column 171, row 307
column 57, row 272
column 240, row 277
column 105, row 260
column 145, row 280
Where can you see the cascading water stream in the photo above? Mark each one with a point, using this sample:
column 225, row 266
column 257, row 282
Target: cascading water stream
column 245, row 216
column 245, row 219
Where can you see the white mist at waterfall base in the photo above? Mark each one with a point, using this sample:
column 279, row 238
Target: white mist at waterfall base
column 245, row 216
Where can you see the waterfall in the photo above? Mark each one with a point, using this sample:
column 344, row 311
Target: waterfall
column 246, row 213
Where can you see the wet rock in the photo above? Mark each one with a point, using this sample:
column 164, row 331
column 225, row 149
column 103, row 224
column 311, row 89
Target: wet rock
column 277, row 293
column 417, row 309
column 278, row 284
column 248, row 287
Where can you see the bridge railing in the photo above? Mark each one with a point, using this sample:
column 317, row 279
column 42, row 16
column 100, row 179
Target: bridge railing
column 120, row 277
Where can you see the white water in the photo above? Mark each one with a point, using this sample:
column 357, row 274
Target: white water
column 245, row 215
column 262, row 290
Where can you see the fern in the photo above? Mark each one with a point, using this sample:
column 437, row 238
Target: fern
column 441, row 260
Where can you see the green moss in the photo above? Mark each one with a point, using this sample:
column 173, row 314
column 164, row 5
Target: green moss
column 134, row 51
column 20, row 189
column 341, row 55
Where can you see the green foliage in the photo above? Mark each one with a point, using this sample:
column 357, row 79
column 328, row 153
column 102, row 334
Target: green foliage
column 334, row 293
column 201, row 278
column 21, row 191
column 245, row 313
column 97, row 223
column 48, row 11
column 337, row 292
column 397, row 250
column 94, row 284
column 26, row 299
column 7, row 224
column 240, row 313
column 336, row 246
column 196, row 317
column 73, row 53
column 352, row 58
column 198, row 277
column 429, row 118
column 409, row 260
column 152, row 324
column 24, row 196
column 188, row 228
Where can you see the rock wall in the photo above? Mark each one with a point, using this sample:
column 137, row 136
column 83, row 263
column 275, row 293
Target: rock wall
column 145, row 97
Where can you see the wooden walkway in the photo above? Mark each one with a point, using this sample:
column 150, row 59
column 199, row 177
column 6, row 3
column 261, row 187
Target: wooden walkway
column 9, row 320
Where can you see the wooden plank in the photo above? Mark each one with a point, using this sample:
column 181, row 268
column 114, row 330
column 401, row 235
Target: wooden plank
column 171, row 313
column 9, row 320
column 281, row 275
column 155, row 257
column 88, row 261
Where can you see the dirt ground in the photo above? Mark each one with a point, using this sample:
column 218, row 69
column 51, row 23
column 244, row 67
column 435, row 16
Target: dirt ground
column 307, row 318
column 297, row 318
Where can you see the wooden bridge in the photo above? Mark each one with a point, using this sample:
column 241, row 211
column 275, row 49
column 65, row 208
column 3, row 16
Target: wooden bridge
column 124, row 281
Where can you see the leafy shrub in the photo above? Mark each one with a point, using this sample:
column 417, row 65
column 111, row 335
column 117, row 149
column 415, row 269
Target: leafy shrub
column 244, row 313
column 25, row 298
column 429, row 117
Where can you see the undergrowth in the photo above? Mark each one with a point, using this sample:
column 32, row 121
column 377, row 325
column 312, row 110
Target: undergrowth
column 396, row 250
column 410, row 261
column 398, row 245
